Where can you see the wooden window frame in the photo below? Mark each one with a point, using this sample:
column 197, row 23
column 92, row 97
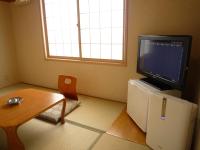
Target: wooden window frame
column 80, row 59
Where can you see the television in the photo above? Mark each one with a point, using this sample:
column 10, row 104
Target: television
column 163, row 59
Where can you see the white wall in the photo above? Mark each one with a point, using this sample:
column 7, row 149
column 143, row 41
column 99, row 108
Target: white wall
column 8, row 67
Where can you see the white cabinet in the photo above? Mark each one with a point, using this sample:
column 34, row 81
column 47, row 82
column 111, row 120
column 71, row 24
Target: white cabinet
column 167, row 120
column 138, row 100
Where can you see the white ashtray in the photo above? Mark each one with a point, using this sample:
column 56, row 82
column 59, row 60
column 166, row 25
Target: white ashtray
column 14, row 101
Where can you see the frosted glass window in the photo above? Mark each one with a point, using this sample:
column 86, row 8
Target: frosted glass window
column 67, row 50
column 61, row 22
column 66, row 37
column 105, row 19
column 106, row 5
column 118, row 53
column 94, row 20
column 106, row 36
column 94, row 5
column 59, row 49
column 52, row 49
column 51, row 24
column 106, row 51
column 86, row 50
column 85, row 36
column 92, row 29
column 84, row 19
column 52, row 37
column 117, row 5
column 75, row 50
column 117, row 36
column 49, row 9
column 95, row 36
column 118, row 20
column 95, row 50
column 105, row 28
column 83, row 6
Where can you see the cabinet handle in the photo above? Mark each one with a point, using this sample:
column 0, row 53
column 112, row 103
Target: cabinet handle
column 163, row 111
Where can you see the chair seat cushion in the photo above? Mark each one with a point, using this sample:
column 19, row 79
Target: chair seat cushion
column 54, row 114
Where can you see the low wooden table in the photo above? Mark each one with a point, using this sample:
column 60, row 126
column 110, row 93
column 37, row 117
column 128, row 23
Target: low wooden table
column 34, row 102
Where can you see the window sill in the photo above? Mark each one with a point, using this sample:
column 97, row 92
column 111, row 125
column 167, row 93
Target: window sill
column 88, row 60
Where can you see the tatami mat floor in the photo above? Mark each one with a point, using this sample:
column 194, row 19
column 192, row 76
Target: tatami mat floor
column 96, row 113
column 109, row 142
column 39, row 135
column 84, row 129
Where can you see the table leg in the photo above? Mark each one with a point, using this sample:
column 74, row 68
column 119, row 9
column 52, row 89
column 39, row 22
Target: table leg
column 63, row 112
column 13, row 140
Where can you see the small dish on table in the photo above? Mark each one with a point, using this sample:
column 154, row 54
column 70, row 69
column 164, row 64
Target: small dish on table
column 14, row 101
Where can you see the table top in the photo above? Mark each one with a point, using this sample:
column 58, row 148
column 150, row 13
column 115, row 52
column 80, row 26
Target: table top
column 34, row 102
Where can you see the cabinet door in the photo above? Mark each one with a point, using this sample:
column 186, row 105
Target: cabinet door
column 137, row 105
column 171, row 130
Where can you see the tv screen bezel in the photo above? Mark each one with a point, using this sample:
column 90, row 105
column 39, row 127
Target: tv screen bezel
column 187, row 39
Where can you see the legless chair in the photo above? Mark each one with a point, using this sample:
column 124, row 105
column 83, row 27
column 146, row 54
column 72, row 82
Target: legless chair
column 67, row 86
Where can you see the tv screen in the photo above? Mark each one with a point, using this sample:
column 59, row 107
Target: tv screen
column 164, row 58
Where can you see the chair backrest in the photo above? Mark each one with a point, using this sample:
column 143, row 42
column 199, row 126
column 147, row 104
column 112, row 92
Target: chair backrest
column 67, row 86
